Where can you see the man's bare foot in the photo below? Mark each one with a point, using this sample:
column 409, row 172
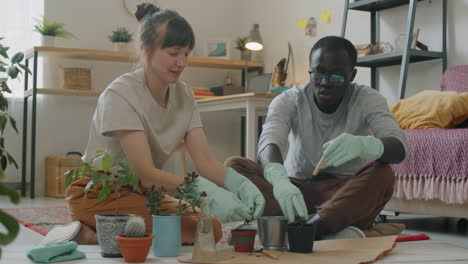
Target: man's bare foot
column 86, row 236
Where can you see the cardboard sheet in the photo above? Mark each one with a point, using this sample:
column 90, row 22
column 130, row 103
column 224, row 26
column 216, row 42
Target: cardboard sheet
column 350, row 251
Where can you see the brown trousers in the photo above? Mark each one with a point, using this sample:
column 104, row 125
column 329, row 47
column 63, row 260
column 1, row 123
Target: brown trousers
column 84, row 209
column 340, row 202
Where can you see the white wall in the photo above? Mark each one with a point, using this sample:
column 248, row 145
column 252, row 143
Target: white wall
column 63, row 122
column 278, row 25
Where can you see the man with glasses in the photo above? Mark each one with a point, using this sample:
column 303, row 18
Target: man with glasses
column 347, row 123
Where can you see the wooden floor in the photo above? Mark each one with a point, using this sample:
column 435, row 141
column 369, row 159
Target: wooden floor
column 448, row 244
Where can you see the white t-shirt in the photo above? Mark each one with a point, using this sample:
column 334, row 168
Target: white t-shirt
column 127, row 104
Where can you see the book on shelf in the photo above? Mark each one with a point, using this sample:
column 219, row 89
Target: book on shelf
column 204, row 93
column 200, row 89
column 204, row 96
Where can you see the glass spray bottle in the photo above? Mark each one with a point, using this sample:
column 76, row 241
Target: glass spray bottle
column 204, row 249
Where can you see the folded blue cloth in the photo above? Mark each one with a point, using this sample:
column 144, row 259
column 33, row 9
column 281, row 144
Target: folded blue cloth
column 55, row 252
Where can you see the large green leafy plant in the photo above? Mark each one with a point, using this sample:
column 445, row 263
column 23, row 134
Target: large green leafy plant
column 47, row 28
column 10, row 69
column 105, row 175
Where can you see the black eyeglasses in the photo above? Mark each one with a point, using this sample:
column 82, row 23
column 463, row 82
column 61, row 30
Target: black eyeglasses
column 319, row 77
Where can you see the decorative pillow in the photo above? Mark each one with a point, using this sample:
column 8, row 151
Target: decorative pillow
column 431, row 109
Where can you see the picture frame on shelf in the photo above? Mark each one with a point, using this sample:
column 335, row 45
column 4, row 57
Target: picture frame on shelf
column 218, row 48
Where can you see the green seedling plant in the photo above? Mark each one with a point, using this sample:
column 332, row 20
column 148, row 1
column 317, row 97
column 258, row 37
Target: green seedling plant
column 187, row 192
column 155, row 197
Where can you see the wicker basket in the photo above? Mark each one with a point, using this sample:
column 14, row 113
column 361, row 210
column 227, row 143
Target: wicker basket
column 55, row 169
column 77, row 78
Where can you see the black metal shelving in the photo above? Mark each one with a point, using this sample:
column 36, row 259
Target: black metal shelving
column 394, row 58
column 401, row 57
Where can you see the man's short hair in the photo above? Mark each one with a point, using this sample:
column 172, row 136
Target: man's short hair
column 335, row 42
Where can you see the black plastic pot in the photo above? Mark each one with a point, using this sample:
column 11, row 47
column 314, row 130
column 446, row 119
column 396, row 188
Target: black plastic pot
column 301, row 237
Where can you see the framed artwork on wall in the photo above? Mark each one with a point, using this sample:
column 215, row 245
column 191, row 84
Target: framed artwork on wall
column 217, row 49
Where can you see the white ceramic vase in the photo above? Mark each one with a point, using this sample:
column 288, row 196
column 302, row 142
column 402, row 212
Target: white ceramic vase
column 120, row 46
column 47, row 41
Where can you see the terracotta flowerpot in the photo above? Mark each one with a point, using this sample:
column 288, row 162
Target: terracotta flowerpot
column 301, row 237
column 243, row 239
column 135, row 249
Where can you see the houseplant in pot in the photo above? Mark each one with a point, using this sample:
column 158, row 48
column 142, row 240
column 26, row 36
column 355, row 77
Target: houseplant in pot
column 134, row 243
column 167, row 227
column 245, row 53
column 243, row 239
column 110, row 176
column 120, row 38
column 10, row 68
column 50, row 31
column 301, row 236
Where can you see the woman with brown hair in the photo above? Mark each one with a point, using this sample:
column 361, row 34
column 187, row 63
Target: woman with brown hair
column 141, row 117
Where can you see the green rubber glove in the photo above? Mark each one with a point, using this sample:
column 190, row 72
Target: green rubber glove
column 288, row 196
column 224, row 205
column 246, row 191
column 346, row 147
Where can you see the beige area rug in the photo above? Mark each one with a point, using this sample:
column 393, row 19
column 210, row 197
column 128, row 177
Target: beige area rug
column 41, row 220
column 349, row 251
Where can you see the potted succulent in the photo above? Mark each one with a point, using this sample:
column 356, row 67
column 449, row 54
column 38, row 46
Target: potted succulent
column 50, row 31
column 167, row 227
column 134, row 243
column 245, row 53
column 120, row 39
column 9, row 70
column 301, row 236
column 109, row 176
column 243, row 239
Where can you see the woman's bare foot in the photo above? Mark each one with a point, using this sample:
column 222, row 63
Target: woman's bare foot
column 86, row 236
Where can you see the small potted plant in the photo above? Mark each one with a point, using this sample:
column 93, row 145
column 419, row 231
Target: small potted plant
column 245, row 53
column 167, row 227
column 134, row 243
column 10, row 68
column 50, row 31
column 243, row 239
column 301, row 236
column 110, row 176
column 120, row 39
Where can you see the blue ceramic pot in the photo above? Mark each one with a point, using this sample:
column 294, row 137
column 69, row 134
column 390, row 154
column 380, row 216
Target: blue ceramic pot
column 167, row 235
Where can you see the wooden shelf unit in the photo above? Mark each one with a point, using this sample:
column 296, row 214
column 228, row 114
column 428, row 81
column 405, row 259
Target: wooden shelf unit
column 58, row 91
column 91, row 55
column 108, row 55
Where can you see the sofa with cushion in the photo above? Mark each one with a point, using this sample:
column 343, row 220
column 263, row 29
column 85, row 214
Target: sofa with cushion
column 434, row 178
